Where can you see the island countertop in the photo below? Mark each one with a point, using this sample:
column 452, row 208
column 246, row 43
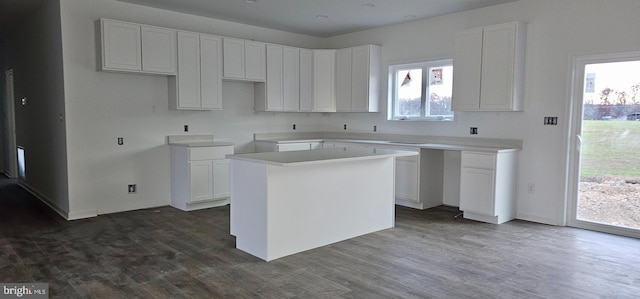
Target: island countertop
column 328, row 155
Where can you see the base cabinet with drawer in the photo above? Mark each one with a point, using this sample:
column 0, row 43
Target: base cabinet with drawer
column 488, row 186
column 200, row 176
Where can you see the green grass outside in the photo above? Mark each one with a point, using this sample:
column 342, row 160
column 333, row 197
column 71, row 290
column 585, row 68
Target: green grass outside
column 610, row 148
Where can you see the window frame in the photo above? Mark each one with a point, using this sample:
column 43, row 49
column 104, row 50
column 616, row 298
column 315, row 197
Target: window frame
column 424, row 101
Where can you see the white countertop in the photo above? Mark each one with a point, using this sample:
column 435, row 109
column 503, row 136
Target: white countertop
column 405, row 144
column 328, row 155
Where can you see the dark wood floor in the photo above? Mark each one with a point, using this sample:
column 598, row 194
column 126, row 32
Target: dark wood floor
column 167, row 253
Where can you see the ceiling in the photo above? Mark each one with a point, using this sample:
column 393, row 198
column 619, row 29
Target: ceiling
column 322, row 18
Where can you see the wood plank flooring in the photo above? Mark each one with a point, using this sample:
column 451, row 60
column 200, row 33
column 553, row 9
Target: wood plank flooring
column 167, row 253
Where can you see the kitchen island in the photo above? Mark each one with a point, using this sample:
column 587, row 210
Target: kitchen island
column 288, row 202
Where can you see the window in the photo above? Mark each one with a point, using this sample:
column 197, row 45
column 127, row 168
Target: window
column 421, row 91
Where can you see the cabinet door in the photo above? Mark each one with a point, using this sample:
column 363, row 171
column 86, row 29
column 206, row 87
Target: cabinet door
column 343, row 80
column 324, row 99
column 233, row 58
column 201, row 180
column 274, row 78
column 291, row 79
column 361, row 79
column 306, row 80
column 221, row 178
column 188, row 86
column 121, row 46
column 158, row 50
column 407, row 172
column 467, row 63
column 211, row 72
column 477, row 191
column 498, row 59
column 254, row 58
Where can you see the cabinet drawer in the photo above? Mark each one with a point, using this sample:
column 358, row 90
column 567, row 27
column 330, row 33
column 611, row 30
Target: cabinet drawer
column 478, row 160
column 209, row 153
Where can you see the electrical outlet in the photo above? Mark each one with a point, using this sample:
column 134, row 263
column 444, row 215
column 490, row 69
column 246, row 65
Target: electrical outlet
column 120, row 141
column 473, row 130
column 375, row 128
column 294, row 126
column 345, row 126
column 531, row 188
column 550, row 120
column 186, row 128
column 132, row 188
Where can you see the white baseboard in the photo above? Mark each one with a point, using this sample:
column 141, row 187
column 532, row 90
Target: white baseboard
column 535, row 218
column 64, row 214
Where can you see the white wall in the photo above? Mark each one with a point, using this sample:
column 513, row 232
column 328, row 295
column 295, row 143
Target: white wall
column 35, row 54
column 102, row 106
column 557, row 29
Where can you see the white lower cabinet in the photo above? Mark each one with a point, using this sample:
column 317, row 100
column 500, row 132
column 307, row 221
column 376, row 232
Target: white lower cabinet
column 488, row 186
column 200, row 176
column 408, row 178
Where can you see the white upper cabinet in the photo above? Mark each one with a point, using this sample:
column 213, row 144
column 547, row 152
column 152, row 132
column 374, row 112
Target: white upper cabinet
column 324, row 96
column 130, row 47
column 254, row 58
column 343, row 80
column 357, row 79
column 291, row 79
column 273, row 98
column 211, row 72
column 197, row 85
column 283, row 81
column 306, row 80
column 489, row 68
column 158, row 50
column 121, row 46
column 244, row 60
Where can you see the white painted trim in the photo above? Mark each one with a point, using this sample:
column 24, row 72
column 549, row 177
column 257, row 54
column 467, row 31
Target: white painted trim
column 537, row 219
column 576, row 71
column 10, row 170
column 45, row 200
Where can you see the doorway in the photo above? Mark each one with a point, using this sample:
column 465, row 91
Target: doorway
column 10, row 155
column 605, row 153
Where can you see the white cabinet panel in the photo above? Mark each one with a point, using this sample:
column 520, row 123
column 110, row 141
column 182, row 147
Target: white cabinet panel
column 407, row 175
column 198, row 83
column 489, row 68
column 158, row 50
column 121, row 46
column 343, row 80
column 291, row 79
column 254, row 57
column 233, row 58
column 211, row 72
column 274, row 85
column 488, row 185
column 244, row 60
column 324, row 99
column 357, row 79
column 221, row 178
column 467, row 64
column 188, row 78
column 201, row 178
column 306, row 80
column 477, row 194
